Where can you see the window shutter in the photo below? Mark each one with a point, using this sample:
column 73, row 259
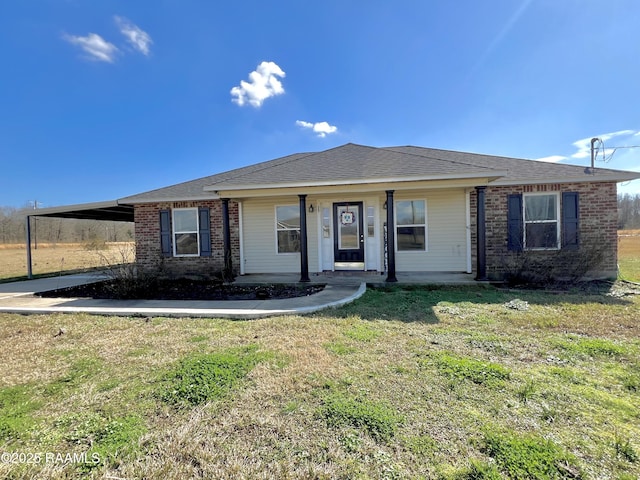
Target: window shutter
column 165, row 232
column 514, row 223
column 204, row 230
column 570, row 214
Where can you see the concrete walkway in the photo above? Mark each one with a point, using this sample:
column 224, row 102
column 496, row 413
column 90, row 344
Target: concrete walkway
column 341, row 288
column 19, row 297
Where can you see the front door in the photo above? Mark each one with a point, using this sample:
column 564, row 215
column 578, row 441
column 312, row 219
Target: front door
column 348, row 241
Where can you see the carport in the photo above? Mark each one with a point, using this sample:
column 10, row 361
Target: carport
column 109, row 210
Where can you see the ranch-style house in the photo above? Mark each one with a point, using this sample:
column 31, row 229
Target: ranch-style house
column 389, row 210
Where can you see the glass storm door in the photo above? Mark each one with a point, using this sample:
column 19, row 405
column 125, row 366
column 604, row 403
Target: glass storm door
column 348, row 242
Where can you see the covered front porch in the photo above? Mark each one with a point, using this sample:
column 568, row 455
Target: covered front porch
column 419, row 233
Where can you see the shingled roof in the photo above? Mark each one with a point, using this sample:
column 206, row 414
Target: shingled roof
column 353, row 163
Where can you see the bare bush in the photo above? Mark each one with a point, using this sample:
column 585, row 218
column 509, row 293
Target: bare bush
column 553, row 267
column 129, row 279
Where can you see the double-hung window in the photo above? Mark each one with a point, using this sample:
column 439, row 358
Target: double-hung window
column 288, row 229
column 411, row 225
column 185, row 232
column 541, row 221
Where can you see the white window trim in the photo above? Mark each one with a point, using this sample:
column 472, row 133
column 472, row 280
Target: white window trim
column 173, row 232
column 556, row 221
column 426, row 228
column 275, row 221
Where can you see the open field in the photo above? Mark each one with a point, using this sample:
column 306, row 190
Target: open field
column 629, row 254
column 49, row 258
column 451, row 383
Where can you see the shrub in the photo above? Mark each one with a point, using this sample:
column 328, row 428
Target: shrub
column 547, row 268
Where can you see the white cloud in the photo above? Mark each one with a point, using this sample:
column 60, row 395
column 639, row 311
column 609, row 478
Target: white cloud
column 584, row 145
column 138, row 38
column 262, row 85
column 552, row 159
column 96, row 46
column 321, row 128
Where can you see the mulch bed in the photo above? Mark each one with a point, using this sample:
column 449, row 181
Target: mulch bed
column 183, row 290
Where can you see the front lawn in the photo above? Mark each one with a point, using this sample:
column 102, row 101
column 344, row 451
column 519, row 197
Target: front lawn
column 451, row 383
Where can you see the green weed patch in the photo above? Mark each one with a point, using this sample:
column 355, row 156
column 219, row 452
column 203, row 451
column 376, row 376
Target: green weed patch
column 16, row 406
column 530, row 457
column 362, row 332
column 590, row 346
column 466, row 368
column 80, row 371
column 477, row 470
column 106, row 439
column 201, row 378
column 377, row 418
column 339, row 348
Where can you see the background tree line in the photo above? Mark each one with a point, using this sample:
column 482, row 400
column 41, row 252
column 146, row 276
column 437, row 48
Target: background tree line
column 628, row 211
column 60, row 230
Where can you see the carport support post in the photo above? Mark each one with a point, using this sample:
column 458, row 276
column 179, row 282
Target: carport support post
column 226, row 238
column 481, row 242
column 391, row 240
column 304, row 256
column 28, row 230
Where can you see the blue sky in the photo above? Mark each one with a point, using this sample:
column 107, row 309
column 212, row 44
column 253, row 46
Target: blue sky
column 104, row 99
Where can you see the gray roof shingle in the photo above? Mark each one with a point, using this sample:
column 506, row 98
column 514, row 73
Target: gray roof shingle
column 359, row 163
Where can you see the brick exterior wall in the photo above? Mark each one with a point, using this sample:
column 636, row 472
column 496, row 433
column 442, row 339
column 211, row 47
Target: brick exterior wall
column 598, row 223
column 148, row 249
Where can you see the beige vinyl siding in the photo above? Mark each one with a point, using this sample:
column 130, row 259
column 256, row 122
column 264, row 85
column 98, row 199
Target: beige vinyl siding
column 259, row 237
column 446, row 233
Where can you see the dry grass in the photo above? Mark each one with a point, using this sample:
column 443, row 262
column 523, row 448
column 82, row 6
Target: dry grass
column 572, row 359
column 50, row 258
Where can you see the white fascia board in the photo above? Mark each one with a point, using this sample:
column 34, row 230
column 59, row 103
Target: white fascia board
column 328, row 183
column 627, row 176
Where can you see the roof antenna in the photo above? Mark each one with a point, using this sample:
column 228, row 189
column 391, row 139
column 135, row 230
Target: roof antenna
column 593, row 155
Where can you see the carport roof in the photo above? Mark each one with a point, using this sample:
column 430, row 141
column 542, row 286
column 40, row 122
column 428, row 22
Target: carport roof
column 110, row 210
